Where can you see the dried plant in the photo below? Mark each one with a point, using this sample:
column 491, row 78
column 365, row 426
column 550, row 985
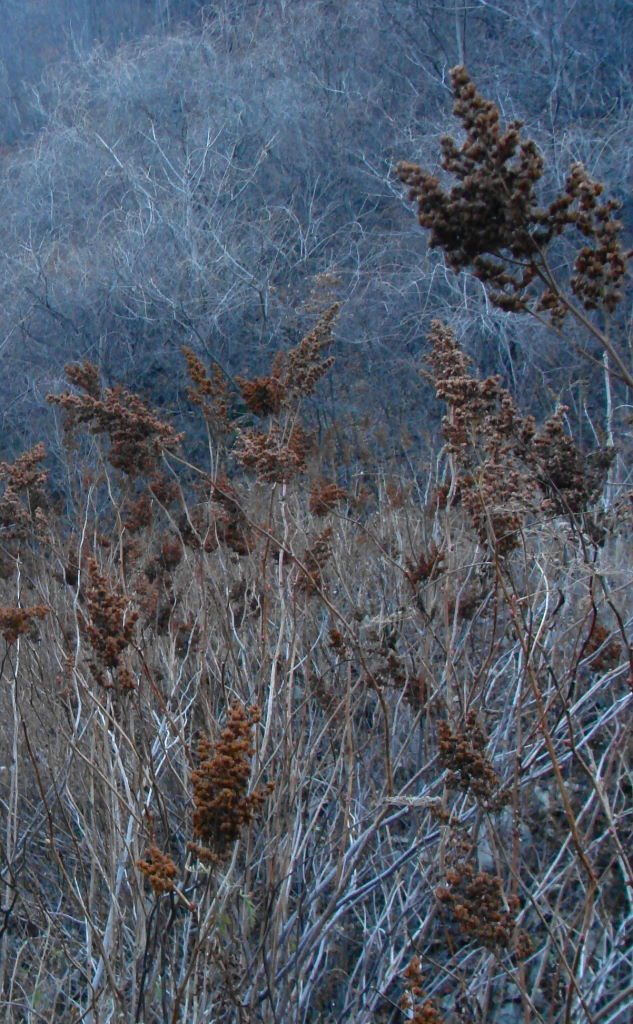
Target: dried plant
column 139, row 514
column 294, row 374
column 507, row 469
column 223, row 805
column 324, row 497
column 23, row 502
column 314, row 560
column 463, row 753
column 211, row 394
column 137, row 437
column 306, row 363
column 110, row 625
column 159, row 870
column 264, row 396
column 571, row 481
column 418, row 1008
column 275, row 456
column 15, row 622
column 397, row 823
column 477, row 903
column 230, row 524
column 491, row 221
column 427, row 566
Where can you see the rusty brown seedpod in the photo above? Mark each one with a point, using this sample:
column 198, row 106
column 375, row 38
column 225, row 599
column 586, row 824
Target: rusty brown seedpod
column 275, row 456
column 315, row 558
column 109, row 624
column 211, row 393
column 491, row 221
column 505, row 469
column 137, row 437
column 264, row 395
column 23, row 502
column 16, row 622
column 159, row 870
column 476, row 901
column 463, row 753
column 419, row 1009
column 223, row 805
column 427, row 566
column 324, row 497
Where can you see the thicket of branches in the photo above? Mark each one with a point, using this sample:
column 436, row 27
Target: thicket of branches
column 185, row 188
column 288, row 738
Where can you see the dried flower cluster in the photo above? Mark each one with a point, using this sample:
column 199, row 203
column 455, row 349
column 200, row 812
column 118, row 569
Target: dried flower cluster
column 210, row 393
column 324, row 497
column 276, row 455
column 264, row 395
column 159, row 870
column 315, row 558
column 414, row 1003
column 109, row 624
column 462, row 752
column 15, row 622
column 600, row 266
column 570, row 481
column 24, row 500
column 230, row 524
column 477, row 903
column 306, row 363
column 138, row 514
column 295, row 374
column 137, row 437
column 483, row 432
column 507, row 469
column 491, row 220
column 426, row 567
column 223, row 806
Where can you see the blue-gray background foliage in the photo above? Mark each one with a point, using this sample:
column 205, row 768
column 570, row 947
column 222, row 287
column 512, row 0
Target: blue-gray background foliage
column 180, row 172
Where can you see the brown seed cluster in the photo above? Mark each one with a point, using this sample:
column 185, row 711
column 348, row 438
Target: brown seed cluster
column 324, row 497
column 276, row 455
column 223, row 805
column 280, row 452
column 491, row 220
column 569, row 480
column 159, row 870
column 294, row 375
column 306, row 363
column 477, row 903
column 414, row 1003
column 485, row 434
column 601, row 265
column 505, row 467
column 427, row 566
column 230, row 525
column 138, row 514
column 264, row 395
column 23, row 502
column 137, row 437
column 463, row 753
column 315, row 558
column 210, row 393
column 109, row 625
column 493, row 206
column 15, row 622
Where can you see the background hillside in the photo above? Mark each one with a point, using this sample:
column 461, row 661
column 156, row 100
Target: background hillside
column 185, row 186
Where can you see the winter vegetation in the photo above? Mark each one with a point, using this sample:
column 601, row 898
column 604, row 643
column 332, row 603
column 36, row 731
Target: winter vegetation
column 315, row 519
